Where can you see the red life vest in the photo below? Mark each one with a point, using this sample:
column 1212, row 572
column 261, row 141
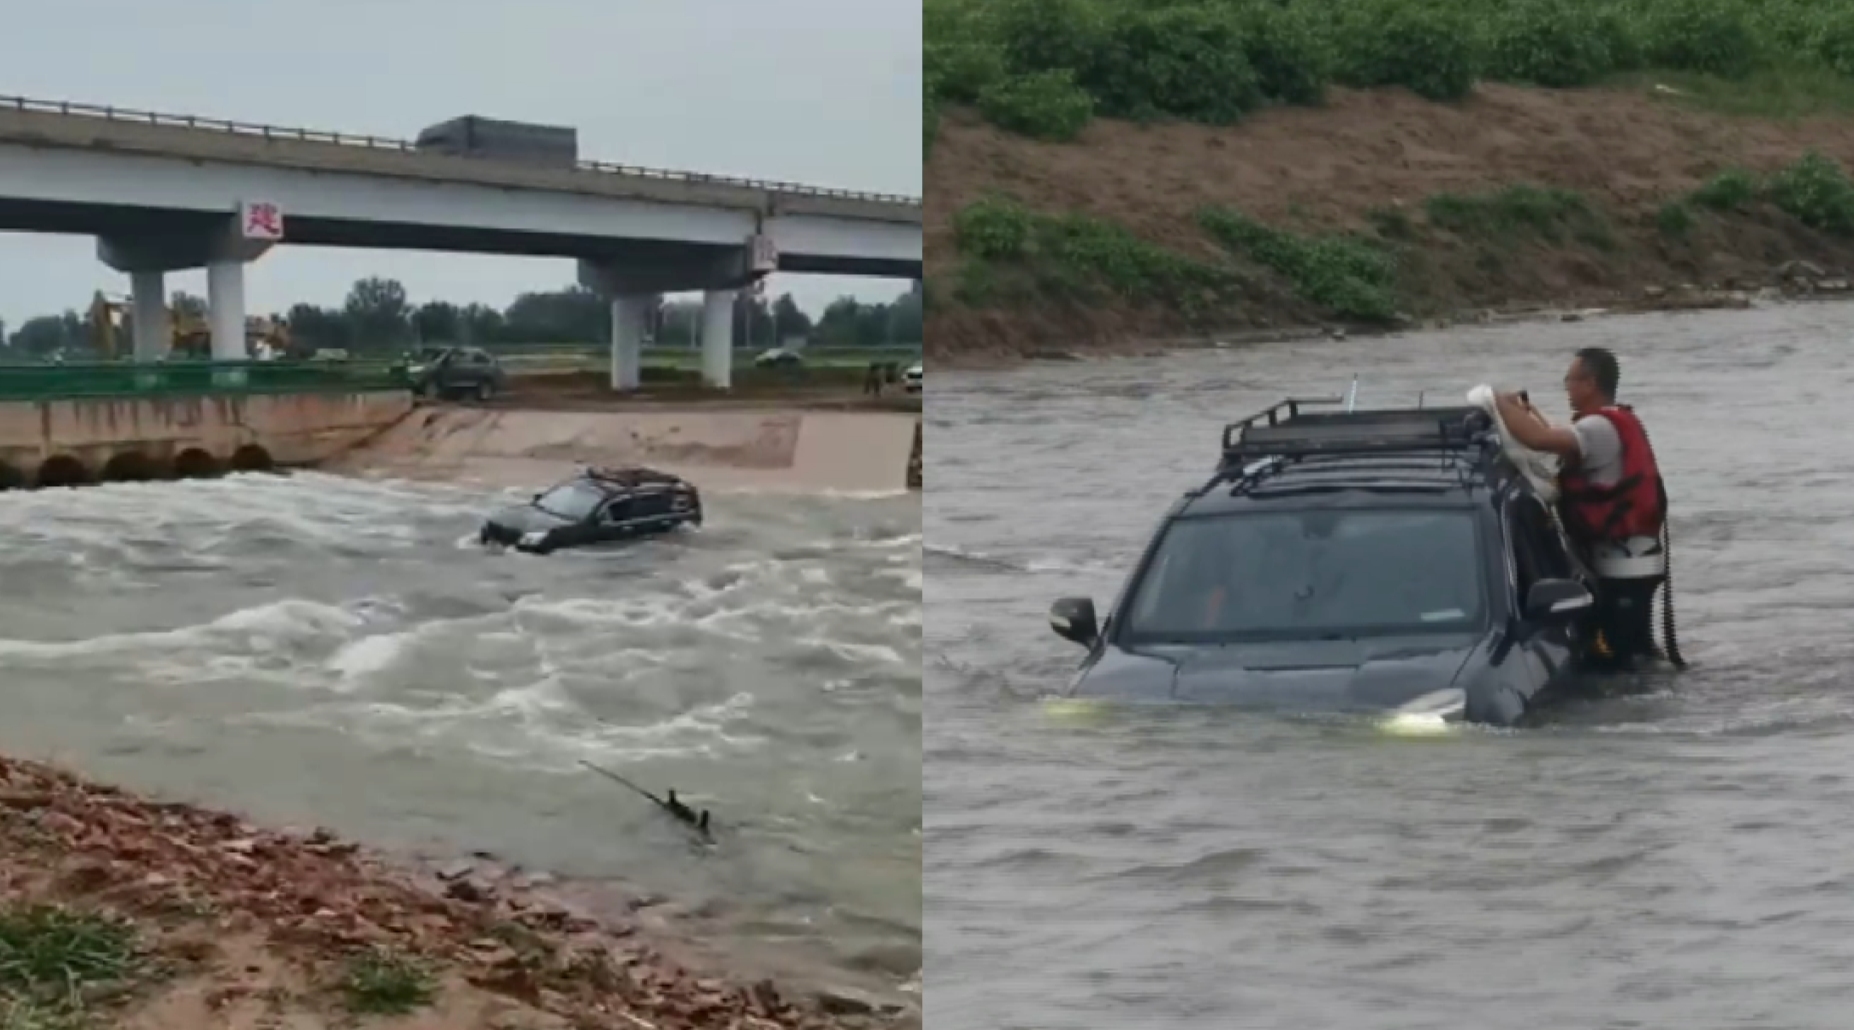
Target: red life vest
column 1635, row 506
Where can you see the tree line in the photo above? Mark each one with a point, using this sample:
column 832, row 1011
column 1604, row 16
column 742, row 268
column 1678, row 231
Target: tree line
column 378, row 317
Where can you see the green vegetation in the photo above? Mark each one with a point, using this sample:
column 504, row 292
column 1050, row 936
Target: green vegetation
column 1552, row 215
column 1044, row 67
column 1347, row 275
column 1012, row 253
column 1730, row 190
column 1012, row 249
column 1814, row 190
column 1674, row 218
column 378, row 318
column 56, row 964
column 387, row 983
column 1771, row 93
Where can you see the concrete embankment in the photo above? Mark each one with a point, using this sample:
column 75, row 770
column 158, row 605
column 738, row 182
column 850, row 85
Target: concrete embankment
column 771, row 449
column 86, row 439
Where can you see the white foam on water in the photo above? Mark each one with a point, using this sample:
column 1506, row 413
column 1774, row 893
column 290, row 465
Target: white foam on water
column 357, row 660
column 310, row 618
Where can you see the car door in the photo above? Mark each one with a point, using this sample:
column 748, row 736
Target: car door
column 650, row 508
column 1539, row 554
column 473, row 369
column 614, row 522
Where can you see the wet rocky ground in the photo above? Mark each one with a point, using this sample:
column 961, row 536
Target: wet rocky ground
column 123, row 911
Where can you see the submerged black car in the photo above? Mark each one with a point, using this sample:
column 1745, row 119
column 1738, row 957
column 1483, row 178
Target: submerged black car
column 1376, row 561
column 600, row 505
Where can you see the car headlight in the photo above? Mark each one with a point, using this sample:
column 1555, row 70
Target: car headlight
column 533, row 538
column 1448, row 703
column 1435, row 712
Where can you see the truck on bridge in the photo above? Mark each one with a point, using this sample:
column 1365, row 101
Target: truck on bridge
column 473, row 135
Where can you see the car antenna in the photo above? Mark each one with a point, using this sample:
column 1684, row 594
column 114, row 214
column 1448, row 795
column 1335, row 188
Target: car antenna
column 673, row 805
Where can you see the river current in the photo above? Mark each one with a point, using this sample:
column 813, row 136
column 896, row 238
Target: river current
column 1675, row 858
column 313, row 649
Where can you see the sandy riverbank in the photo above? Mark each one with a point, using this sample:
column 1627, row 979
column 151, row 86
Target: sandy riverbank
column 128, row 912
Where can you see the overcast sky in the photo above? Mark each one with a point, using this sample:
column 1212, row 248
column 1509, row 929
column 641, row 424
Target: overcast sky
column 824, row 92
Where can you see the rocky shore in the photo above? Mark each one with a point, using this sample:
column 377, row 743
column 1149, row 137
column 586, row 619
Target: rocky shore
column 121, row 911
column 1793, row 281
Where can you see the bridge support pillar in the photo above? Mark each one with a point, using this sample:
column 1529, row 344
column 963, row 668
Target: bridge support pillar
column 630, row 321
column 225, row 301
column 149, row 313
column 223, row 249
column 718, row 338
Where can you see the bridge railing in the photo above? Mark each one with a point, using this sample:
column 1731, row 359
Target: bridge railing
column 278, row 132
column 172, row 378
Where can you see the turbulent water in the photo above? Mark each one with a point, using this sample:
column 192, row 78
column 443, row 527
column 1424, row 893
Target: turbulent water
column 1679, row 858
column 318, row 650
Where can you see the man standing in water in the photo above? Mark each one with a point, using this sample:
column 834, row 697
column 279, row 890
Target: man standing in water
column 1612, row 500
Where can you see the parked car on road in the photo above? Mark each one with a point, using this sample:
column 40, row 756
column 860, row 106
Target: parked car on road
column 452, row 372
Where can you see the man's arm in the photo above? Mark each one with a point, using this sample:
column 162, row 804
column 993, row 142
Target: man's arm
column 1524, row 424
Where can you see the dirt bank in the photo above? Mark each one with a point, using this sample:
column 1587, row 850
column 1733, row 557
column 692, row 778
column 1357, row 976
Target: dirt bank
column 124, row 912
column 828, row 390
column 1610, row 217
column 787, row 450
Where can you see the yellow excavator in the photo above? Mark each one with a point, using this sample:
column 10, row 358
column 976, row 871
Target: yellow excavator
column 190, row 333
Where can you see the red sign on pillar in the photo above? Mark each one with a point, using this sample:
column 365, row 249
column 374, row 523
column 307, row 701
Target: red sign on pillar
column 764, row 254
column 260, row 220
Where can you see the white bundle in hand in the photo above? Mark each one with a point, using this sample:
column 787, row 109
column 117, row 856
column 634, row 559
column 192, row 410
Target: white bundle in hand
column 1540, row 469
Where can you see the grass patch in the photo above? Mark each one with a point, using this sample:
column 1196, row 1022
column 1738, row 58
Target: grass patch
column 1392, row 223
column 387, row 983
column 26, row 1015
column 1730, row 190
column 1346, row 275
column 55, row 962
column 1553, row 215
column 1010, row 250
column 1675, row 219
column 1778, row 94
column 1216, row 61
column 1045, row 105
column 1816, row 192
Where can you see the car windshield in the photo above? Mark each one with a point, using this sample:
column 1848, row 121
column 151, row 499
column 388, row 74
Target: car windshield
column 1315, row 573
column 575, row 500
column 429, row 355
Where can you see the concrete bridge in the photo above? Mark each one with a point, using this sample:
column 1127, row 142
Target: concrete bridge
column 168, row 192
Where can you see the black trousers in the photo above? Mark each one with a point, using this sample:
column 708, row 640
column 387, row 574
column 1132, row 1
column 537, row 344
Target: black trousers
column 1625, row 617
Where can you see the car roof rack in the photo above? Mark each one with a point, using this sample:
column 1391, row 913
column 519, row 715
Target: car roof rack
column 1286, row 430
column 629, row 475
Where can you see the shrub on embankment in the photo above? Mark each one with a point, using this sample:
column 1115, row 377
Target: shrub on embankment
column 1044, row 68
column 1478, row 248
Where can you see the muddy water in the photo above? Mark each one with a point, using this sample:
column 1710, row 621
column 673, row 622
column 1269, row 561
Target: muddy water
column 318, row 650
column 1678, row 858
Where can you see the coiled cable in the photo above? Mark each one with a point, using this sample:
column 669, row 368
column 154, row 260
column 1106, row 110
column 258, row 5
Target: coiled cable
column 1670, row 640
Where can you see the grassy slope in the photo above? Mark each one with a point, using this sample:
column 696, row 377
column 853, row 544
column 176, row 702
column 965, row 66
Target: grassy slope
column 1430, row 186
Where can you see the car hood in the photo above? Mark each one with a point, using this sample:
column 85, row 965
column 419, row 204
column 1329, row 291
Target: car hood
column 526, row 518
column 1303, row 675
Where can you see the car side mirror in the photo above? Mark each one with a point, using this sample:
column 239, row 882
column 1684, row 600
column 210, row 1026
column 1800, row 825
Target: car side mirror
column 1073, row 619
column 1557, row 600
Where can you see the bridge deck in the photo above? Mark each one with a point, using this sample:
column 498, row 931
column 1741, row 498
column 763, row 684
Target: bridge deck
column 86, row 127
